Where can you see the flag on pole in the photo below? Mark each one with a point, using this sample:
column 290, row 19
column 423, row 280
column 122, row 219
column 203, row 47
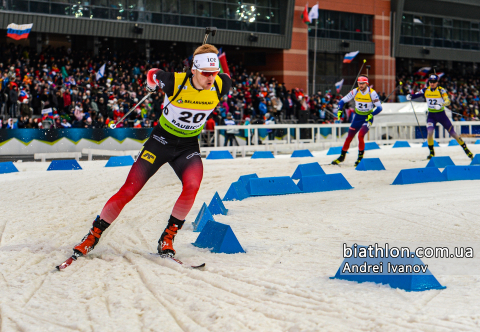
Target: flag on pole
column 305, row 17
column 339, row 85
column 423, row 71
column 313, row 14
column 440, row 75
column 48, row 112
column 222, row 58
column 421, row 82
column 17, row 32
column 350, row 56
column 101, row 72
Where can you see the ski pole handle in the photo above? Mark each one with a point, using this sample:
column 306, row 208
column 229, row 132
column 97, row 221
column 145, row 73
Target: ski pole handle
column 114, row 125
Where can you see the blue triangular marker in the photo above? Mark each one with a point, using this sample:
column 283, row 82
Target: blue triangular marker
column 230, row 244
column 440, row 162
column 244, row 178
column 335, row 150
column 476, row 160
column 219, row 238
column 301, row 154
column 64, row 165
column 401, row 144
column 7, row 167
column 458, row 173
column 370, row 164
column 120, row 161
column 202, row 218
column 415, row 280
column 216, row 205
column 236, row 192
column 371, row 146
column 419, row 175
column 262, row 155
column 307, row 170
column 219, row 155
column 280, row 185
column 326, row 182
column 453, row 142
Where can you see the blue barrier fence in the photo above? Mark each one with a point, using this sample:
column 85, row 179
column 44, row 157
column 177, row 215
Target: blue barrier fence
column 73, row 134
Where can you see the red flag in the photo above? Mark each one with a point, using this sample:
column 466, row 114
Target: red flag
column 305, row 17
column 223, row 63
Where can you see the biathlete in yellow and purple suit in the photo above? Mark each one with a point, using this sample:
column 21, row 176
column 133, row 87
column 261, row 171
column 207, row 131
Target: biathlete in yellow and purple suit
column 437, row 99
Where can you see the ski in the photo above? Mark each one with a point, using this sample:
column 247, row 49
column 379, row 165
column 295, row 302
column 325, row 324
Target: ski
column 69, row 261
column 75, row 256
column 173, row 259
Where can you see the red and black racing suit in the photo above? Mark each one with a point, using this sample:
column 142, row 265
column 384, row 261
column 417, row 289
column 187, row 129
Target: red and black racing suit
column 182, row 153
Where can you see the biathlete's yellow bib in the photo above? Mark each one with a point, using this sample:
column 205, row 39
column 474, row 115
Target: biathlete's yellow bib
column 363, row 102
column 187, row 114
column 434, row 98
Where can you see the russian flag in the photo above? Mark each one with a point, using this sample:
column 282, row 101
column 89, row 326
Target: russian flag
column 350, row 56
column 47, row 113
column 440, row 75
column 338, row 86
column 18, row 32
column 423, row 71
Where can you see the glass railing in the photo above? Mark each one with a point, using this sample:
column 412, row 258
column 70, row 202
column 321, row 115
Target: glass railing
column 445, row 43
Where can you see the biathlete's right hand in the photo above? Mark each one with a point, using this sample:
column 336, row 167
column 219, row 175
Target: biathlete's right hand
column 152, row 81
column 149, row 88
column 339, row 114
column 409, row 97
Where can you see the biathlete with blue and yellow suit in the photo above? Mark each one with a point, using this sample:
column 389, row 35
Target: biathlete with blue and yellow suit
column 367, row 105
column 437, row 99
column 189, row 99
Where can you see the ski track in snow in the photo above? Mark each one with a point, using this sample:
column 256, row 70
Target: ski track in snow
column 293, row 245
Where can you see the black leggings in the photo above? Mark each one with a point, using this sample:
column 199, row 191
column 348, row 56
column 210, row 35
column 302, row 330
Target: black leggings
column 183, row 154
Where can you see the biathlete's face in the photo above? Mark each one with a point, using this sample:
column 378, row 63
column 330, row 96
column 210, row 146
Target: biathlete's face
column 204, row 77
column 362, row 86
column 433, row 84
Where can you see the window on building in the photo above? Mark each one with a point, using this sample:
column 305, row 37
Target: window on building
column 340, row 25
column 439, row 32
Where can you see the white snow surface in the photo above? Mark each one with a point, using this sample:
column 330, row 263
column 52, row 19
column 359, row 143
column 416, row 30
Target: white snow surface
column 293, row 245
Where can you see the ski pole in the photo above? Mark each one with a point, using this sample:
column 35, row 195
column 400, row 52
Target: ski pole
column 209, row 30
column 356, row 78
column 417, row 120
column 114, row 125
column 393, row 91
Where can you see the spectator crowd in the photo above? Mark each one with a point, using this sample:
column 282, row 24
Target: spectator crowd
column 59, row 88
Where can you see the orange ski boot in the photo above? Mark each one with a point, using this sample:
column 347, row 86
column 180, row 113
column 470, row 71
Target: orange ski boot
column 91, row 239
column 165, row 243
